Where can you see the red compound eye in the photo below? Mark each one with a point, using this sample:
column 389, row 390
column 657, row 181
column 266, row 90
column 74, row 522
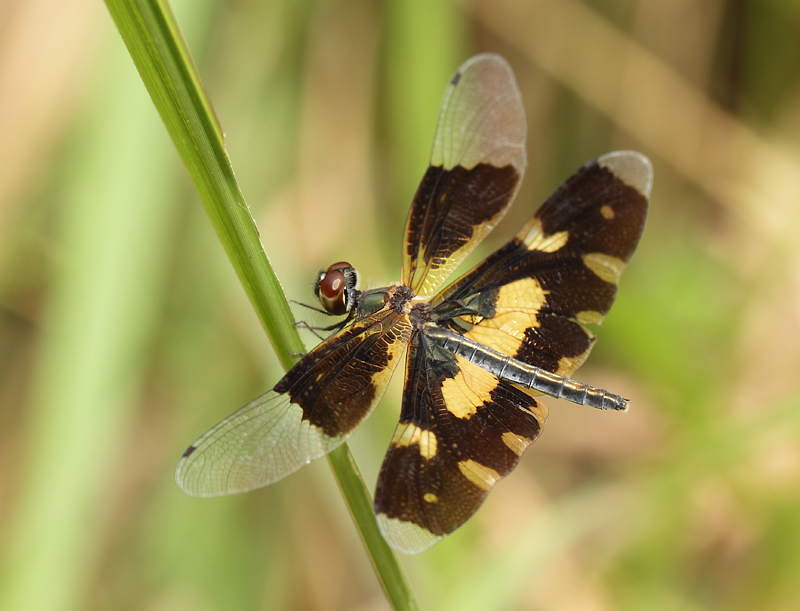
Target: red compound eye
column 339, row 265
column 332, row 288
column 332, row 284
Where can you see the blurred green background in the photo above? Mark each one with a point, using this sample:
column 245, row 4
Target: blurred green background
column 124, row 333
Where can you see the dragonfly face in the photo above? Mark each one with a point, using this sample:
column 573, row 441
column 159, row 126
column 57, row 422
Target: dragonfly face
column 337, row 287
column 479, row 353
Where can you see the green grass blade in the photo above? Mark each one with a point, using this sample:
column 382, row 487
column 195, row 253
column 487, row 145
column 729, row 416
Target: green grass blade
column 157, row 48
column 390, row 573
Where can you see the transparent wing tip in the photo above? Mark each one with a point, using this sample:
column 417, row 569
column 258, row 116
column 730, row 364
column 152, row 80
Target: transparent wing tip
column 632, row 168
column 405, row 537
column 484, row 57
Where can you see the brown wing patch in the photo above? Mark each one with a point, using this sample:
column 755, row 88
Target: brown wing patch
column 452, row 212
column 602, row 206
column 420, row 499
column 340, row 381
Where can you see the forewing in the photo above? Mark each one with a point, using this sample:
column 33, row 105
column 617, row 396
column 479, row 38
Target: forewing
column 460, row 430
column 309, row 412
column 476, row 167
column 532, row 298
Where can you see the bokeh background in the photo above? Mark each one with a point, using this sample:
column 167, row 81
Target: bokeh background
column 124, row 334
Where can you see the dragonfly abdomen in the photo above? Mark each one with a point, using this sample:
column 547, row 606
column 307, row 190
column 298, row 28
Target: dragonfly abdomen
column 522, row 374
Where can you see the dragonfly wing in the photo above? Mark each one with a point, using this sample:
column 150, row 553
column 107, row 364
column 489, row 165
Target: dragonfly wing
column 310, row 411
column 460, row 431
column 532, row 298
column 476, row 167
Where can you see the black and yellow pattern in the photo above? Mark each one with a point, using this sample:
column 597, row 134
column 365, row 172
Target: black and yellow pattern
column 465, row 419
column 531, row 300
column 532, row 297
column 461, row 430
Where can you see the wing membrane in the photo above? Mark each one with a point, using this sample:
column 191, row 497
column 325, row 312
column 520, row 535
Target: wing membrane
column 460, row 430
column 308, row 413
column 532, row 298
column 476, row 166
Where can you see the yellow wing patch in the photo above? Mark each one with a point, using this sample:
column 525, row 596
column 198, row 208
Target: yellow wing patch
column 515, row 443
column 480, row 475
column 468, row 390
column 411, row 434
column 605, row 267
column 532, row 235
column 590, row 317
column 516, row 308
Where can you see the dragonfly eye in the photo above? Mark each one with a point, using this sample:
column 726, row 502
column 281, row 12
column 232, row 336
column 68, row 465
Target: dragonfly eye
column 336, row 288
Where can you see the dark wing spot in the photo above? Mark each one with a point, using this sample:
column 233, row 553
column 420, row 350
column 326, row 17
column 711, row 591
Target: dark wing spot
column 456, row 78
column 189, row 451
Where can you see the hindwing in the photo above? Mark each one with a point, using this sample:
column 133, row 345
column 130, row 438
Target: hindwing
column 460, row 431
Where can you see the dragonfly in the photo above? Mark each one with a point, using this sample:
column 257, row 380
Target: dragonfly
column 480, row 352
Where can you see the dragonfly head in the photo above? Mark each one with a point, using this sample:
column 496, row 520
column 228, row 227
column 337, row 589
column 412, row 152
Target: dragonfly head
column 337, row 287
